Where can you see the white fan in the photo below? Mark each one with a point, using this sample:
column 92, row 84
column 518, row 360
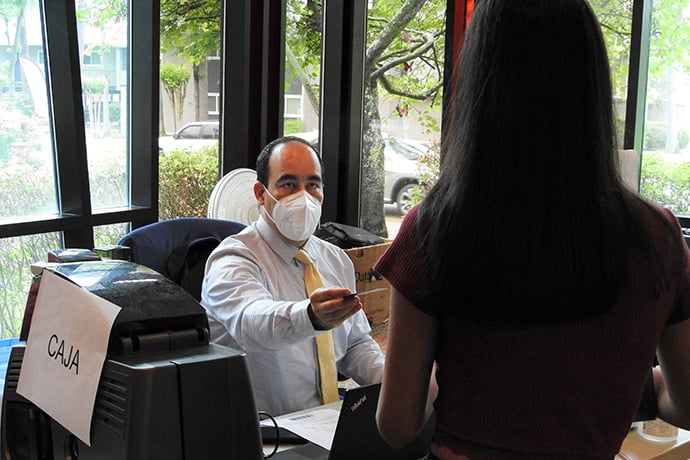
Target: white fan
column 233, row 197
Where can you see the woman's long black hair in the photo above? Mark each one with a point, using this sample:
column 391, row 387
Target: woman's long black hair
column 529, row 220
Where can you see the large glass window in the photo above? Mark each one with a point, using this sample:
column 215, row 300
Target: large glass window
column 190, row 106
column 403, row 77
column 27, row 182
column 665, row 172
column 103, row 47
column 303, row 45
column 616, row 25
column 68, row 177
column 403, row 81
column 665, row 169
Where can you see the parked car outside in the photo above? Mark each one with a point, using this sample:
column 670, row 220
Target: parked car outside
column 401, row 173
column 192, row 135
column 400, row 157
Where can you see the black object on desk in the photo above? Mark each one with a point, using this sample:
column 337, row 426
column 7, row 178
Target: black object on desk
column 357, row 436
column 285, row 436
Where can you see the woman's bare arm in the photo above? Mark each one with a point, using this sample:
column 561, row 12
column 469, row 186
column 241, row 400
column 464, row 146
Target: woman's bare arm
column 405, row 393
column 672, row 377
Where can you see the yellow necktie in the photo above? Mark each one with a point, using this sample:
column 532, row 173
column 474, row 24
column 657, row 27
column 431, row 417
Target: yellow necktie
column 324, row 341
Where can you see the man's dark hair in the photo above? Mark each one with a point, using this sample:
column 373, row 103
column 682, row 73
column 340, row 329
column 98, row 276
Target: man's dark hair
column 265, row 155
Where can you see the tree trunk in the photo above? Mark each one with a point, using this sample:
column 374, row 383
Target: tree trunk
column 373, row 213
column 197, row 99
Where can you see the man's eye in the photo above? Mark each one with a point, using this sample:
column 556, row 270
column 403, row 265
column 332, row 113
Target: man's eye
column 314, row 186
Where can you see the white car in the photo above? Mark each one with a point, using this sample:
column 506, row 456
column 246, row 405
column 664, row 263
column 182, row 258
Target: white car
column 401, row 173
column 191, row 135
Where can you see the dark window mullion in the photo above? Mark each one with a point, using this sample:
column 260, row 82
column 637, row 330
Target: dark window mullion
column 242, row 25
column 252, row 79
column 637, row 75
column 64, row 80
column 274, row 68
column 342, row 101
column 144, row 91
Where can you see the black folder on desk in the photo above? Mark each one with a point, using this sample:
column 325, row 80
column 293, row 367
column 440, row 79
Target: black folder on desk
column 356, row 435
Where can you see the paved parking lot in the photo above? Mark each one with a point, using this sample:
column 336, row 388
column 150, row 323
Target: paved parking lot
column 393, row 221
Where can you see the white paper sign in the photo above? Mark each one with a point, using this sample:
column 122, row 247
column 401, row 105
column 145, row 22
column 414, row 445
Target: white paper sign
column 65, row 352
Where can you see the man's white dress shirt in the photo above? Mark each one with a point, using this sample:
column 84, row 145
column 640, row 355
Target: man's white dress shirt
column 256, row 301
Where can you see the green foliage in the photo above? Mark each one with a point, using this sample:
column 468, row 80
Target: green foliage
column 293, row 125
column 405, row 48
column 654, row 136
column 187, row 178
column 11, row 8
column 174, row 77
column 303, row 39
column 191, row 29
column 23, row 188
column 26, row 188
column 94, row 85
column 616, row 22
column 107, row 181
column 15, row 128
column 429, row 167
column 114, row 112
column 19, row 101
column 683, row 139
column 409, row 62
column 655, row 133
column 16, row 256
column 666, row 182
column 106, row 235
column 98, row 13
column 670, row 37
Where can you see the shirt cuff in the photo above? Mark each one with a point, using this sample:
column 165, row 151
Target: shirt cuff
column 301, row 320
column 318, row 326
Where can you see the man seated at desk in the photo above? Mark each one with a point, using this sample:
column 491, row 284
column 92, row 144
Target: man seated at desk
column 255, row 291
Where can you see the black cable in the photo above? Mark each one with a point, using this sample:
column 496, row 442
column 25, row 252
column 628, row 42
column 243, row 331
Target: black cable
column 275, row 425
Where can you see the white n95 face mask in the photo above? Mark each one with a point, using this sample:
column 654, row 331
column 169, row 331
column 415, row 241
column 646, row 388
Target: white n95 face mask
column 296, row 216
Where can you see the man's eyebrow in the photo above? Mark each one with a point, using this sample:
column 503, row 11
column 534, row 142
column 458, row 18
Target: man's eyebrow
column 292, row 177
column 286, row 177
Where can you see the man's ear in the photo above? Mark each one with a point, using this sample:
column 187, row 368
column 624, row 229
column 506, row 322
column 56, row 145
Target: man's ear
column 259, row 192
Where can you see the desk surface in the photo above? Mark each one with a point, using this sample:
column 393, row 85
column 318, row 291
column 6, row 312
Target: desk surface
column 308, row 432
column 634, row 446
column 637, row 448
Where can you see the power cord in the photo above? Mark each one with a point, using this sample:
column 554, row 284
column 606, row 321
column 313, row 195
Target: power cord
column 275, row 425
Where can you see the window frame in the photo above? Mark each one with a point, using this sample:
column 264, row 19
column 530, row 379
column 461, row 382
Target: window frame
column 75, row 218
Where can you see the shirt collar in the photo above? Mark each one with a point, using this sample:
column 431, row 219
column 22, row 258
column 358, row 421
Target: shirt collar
column 277, row 242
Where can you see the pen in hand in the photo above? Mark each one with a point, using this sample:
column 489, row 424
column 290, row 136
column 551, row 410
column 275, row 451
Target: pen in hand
column 363, row 293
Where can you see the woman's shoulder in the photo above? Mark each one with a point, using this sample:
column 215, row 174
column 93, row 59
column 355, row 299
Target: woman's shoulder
column 409, row 222
column 658, row 217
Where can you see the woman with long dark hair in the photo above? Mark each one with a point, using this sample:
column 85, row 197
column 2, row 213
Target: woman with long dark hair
column 533, row 285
